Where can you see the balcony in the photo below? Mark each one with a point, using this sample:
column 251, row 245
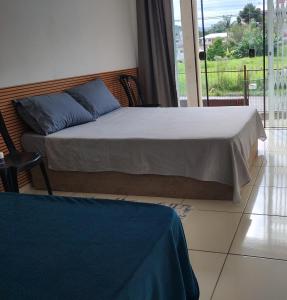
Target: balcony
column 228, row 88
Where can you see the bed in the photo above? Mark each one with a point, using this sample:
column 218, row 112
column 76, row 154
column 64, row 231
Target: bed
column 202, row 153
column 72, row 248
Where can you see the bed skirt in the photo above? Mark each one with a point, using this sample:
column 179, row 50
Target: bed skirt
column 140, row 185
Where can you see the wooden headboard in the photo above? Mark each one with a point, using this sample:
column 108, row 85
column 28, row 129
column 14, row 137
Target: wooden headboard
column 16, row 127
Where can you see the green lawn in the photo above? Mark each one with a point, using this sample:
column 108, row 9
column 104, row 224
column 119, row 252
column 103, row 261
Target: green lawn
column 222, row 79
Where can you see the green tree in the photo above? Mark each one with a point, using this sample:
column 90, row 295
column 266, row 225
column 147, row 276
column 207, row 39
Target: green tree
column 227, row 22
column 221, row 26
column 252, row 38
column 217, row 49
column 250, row 12
column 236, row 32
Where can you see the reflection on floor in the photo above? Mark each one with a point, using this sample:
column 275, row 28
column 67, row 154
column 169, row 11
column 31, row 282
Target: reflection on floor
column 238, row 251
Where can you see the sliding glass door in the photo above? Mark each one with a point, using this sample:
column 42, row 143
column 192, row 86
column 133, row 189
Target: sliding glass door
column 242, row 46
column 232, row 52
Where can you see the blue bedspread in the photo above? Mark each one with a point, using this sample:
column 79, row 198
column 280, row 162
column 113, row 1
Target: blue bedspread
column 71, row 248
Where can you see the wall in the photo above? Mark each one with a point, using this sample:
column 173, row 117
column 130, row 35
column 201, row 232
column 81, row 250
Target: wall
column 52, row 39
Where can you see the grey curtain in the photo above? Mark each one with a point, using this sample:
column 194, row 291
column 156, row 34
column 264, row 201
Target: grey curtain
column 156, row 62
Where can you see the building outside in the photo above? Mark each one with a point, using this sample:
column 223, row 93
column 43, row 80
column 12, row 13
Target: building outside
column 210, row 38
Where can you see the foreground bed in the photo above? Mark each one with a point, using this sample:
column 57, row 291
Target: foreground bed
column 71, row 248
column 202, row 153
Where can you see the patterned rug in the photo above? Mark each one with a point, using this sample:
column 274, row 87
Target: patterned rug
column 181, row 209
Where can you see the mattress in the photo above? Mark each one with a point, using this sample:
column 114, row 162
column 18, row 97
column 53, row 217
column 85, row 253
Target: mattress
column 74, row 248
column 209, row 144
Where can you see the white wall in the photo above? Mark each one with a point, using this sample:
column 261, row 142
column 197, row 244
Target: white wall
column 51, row 39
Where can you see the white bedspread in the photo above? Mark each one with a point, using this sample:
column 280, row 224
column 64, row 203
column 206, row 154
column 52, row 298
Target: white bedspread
column 209, row 144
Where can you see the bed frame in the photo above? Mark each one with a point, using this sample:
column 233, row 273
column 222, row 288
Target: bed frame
column 105, row 182
column 141, row 185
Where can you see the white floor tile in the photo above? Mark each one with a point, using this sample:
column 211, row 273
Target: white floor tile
column 276, row 141
column 259, row 161
column 254, row 174
column 32, row 191
column 25, row 188
column 272, row 176
column 216, row 205
column 262, row 236
column 247, row 278
column 207, row 267
column 210, row 231
column 273, row 159
column 268, row 201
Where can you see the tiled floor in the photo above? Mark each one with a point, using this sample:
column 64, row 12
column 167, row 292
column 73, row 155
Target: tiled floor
column 239, row 251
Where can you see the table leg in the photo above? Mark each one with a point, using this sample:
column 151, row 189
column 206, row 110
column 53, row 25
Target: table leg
column 13, row 182
column 4, row 173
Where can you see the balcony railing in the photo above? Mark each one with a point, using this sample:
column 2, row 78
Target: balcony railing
column 229, row 87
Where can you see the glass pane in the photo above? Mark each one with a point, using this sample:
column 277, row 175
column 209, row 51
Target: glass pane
column 233, row 36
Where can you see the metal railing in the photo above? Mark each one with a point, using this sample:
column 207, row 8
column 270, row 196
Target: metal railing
column 245, row 85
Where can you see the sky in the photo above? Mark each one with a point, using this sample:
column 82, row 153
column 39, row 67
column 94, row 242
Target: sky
column 215, row 9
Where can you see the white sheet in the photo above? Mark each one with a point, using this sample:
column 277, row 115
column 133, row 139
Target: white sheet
column 209, row 144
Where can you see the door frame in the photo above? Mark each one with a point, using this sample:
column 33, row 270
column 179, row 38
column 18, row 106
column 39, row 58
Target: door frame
column 264, row 56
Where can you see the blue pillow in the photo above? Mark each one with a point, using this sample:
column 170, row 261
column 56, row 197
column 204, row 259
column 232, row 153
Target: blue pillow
column 50, row 113
column 95, row 97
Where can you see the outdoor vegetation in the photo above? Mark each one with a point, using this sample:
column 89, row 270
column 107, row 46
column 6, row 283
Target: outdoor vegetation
column 242, row 35
column 227, row 77
column 226, row 57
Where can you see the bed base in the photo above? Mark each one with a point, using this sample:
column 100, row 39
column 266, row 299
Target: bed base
column 141, row 185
